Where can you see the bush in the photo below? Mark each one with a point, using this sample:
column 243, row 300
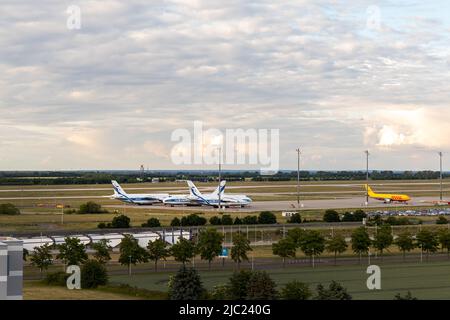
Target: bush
column 102, row 225
column 186, row 285
column 335, row 291
column 152, row 223
column 93, row 274
column 267, row 217
column 9, row 209
column 193, row 220
column 441, row 220
column 237, row 221
column 238, row 284
column 331, row 216
column 91, row 207
column 348, row 217
column 56, row 278
column 296, row 290
column 227, row 220
column 215, row 221
column 250, row 220
column 175, row 222
column 359, row 215
column 296, row 218
column 120, row 222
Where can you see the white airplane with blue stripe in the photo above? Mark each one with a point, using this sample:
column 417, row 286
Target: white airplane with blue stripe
column 139, row 199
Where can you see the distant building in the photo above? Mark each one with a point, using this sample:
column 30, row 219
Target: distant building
column 155, row 180
column 11, row 268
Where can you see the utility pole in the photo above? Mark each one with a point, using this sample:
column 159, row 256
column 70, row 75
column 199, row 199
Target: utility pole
column 440, row 173
column 367, row 176
column 298, row 177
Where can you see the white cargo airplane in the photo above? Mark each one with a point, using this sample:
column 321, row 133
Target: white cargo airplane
column 139, row 199
column 195, row 197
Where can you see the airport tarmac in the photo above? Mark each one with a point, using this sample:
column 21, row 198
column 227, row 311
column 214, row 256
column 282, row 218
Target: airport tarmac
column 338, row 203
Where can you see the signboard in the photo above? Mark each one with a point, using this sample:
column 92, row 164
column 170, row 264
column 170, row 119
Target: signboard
column 224, row 253
column 288, row 213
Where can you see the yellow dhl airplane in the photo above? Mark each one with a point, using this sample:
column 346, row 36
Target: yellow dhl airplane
column 387, row 197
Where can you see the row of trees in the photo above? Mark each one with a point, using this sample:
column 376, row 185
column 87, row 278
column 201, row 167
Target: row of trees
column 312, row 243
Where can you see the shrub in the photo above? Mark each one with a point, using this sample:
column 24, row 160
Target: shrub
column 175, row 222
column 331, row 216
column 152, row 223
column 237, row 221
column 9, row 209
column 250, row 220
column 227, row 220
column 296, row 290
column 56, row 278
column 193, row 220
column 238, row 284
column 215, row 221
column 296, row 218
column 120, row 222
column 91, row 207
column 441, row 220
column 335, row 291
column 267, row 217
column 102, row 225
column 261, row 287
column 93, row 274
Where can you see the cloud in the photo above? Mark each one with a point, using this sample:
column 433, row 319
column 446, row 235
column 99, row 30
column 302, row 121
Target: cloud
column 138, row 70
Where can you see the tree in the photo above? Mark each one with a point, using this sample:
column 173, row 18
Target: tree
column 91, row 207
column 337, row 245
column 209, row 245
column 152, row 223
column 238, row 284
column 241, row 245
column 359, row 215
column 405, row 242
column 131, row 252
column 25, row 254
column 331, row 216
column 312, row 243
column 175, row 222
column 383, row 239
column 261, row 287
column 441, row 220
column 102, row 250
column 444, row 240
column 296, row 290
column 93, row 274
column 237, row 221
column 42, row 257
column 335, row 291
column 120, row 222
column 348, row 217
column 9, row 209
column 427, row 241
column 227, row 220
column 157, row 250
column 295, row 218
column 72, row 251
column 267, row 217
column 186, row 285
column 360, row 241
column 296, row 235
column 284, row 248
column 183, row 251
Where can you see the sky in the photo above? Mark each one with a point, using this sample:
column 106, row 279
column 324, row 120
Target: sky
column 334, row 77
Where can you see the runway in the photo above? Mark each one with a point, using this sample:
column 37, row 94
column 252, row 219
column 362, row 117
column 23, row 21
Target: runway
column 323, row 204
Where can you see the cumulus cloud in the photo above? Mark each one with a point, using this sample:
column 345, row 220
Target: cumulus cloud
column 115, row 90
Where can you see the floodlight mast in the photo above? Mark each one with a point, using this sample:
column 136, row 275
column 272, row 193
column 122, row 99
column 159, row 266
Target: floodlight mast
column 298, row 177
column 367, row 175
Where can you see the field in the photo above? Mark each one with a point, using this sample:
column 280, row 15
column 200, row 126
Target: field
column 424, row 280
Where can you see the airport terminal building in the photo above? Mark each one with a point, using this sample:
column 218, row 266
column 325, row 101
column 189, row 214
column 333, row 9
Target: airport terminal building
column 11, row 268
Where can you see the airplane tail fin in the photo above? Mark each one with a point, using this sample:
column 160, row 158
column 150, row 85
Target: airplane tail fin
column 220, row 189
column 117, row 188
column 369, row 189
column 193, row 191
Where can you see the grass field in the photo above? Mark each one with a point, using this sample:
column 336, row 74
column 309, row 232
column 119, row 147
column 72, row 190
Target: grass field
column 425, row 281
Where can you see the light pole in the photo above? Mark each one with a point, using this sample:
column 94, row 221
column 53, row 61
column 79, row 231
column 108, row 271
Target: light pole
column 220, row 172
column 298, row 177
column 440, row 173
column 129, row 265
column 367, row 176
